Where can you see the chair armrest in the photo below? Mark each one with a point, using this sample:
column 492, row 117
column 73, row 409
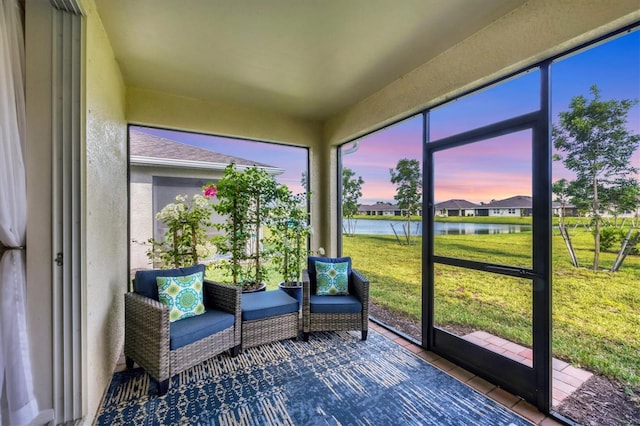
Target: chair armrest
column 306, row 288
column 361, row 286
column 227, row 298
column 306, row 299
column 223, row 296
column 146, row 325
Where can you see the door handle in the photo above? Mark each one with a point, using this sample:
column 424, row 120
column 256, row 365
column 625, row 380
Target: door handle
column 514, row 272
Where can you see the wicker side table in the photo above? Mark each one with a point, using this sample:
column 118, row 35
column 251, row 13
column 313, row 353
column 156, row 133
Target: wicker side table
column 268, row 316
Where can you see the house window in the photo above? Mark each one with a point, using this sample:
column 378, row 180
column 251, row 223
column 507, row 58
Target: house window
column 512, row 211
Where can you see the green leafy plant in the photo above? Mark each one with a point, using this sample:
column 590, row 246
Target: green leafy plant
column 186, row 241
column 351, row 193
column 245, row 199
column 609, row 236
column 289, row 233
column 408, row 180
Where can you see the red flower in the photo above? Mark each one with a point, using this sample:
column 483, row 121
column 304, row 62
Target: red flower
column 210, row 190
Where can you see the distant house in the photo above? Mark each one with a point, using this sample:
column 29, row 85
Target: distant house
column 382, row 209
column 521, row 205
column 161, row 169
column 517, row 206
column 379, row 209
column 456, row 208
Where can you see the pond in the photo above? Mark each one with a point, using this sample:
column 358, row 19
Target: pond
column 386, row 227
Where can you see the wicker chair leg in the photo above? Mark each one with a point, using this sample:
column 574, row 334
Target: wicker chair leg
column 364, row 334
column 163, row 387
column 235, row 350
column 129, row 362
column 305, row 336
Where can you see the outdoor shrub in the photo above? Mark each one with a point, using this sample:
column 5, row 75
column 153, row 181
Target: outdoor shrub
column 610, row 236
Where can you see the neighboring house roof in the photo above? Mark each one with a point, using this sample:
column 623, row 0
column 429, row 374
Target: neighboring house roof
column 456, row 204
column 150, row 150
column 386, row 207
column 520, row 202
column 517, row 202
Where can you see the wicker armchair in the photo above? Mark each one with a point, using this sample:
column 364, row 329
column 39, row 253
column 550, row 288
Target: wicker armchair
column 154, row 343
column 334, row 312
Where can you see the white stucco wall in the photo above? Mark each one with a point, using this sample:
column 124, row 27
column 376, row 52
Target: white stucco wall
column 105, row 215
column 504, row 212
column 152, row 108
column 141, row 219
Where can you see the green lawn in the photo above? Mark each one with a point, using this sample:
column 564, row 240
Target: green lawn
column 596, row 314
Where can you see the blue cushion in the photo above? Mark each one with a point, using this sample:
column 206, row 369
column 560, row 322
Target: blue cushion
column 311, row 267
column 145, row 281
column 192, row 329
column 265, row 304
column 334, row 304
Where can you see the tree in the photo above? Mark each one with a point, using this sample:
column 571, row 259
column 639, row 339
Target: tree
column 351, row 193
column 623, row 197
column 597, row 147
column 408, row 180
column 246, row 200
column 561, row 190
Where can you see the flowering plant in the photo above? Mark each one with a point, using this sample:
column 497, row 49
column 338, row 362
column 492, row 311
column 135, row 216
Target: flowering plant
column 186, row 240
column 289, row 234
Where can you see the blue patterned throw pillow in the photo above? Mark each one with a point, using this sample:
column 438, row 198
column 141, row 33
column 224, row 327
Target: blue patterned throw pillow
column 332, row 279
column 183, row 295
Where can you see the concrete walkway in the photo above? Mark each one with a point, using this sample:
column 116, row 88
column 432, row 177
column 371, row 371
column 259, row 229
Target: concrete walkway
column 566, row 378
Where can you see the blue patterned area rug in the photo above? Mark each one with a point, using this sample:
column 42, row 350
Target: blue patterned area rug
column 334, row 379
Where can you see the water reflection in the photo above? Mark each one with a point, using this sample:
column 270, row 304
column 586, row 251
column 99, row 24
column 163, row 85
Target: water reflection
column 448, row 228
column 386, row 227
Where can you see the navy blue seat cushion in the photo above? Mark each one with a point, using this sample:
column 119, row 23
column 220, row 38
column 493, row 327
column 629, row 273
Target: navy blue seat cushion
column 192, row 329
column 334, row 304
column 265, row 304
column 311, row 267
column 145, row 281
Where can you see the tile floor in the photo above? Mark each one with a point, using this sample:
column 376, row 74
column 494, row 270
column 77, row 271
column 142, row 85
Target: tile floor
column 566, row 379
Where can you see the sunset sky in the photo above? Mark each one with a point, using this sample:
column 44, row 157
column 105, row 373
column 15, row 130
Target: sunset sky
column 492, row 169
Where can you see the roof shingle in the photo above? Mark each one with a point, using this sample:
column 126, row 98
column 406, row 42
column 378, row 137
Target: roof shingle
column 146, row 145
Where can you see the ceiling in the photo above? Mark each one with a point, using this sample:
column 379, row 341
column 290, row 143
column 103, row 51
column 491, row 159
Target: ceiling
column 304, row 58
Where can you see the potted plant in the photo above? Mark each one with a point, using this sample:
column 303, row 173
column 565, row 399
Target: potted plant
column 289, row 234
column 186, row 240
column 245, row 200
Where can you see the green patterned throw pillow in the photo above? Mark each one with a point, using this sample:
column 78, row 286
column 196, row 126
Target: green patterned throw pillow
column 183, row 295
column 332, row 279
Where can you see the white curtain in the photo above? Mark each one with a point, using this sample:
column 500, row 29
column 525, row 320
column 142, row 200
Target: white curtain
column 16, row 382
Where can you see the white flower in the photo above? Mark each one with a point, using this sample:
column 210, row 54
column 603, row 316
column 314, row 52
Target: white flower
column 205, row 250
column 170, row 211
column 200, row 201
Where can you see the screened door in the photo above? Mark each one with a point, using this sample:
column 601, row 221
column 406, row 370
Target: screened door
column 487, row 277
